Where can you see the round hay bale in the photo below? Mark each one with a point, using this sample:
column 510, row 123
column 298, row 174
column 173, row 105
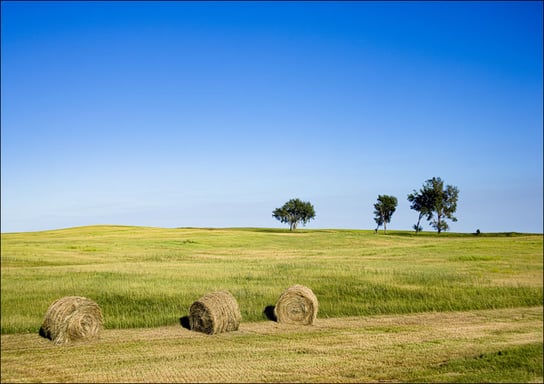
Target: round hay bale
column 297, row 305
column 72, row 318
column 215, row 312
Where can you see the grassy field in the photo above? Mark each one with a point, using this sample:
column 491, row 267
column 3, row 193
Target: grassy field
column 145, row 279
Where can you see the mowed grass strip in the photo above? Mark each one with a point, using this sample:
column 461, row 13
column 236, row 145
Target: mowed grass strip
column 149, row 277
column 503, row 345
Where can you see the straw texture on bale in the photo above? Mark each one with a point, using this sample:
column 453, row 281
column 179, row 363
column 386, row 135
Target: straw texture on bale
column 297, row 305
column 72, row 318
column 215, row 312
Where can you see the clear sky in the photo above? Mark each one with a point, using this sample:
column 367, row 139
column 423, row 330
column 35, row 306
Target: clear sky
column 212, row 114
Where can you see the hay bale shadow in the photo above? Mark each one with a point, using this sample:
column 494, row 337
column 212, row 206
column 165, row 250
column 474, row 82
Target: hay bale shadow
column 43, row 333
column 269, row 313
column 184, row 321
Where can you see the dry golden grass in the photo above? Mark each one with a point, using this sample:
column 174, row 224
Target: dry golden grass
column 354, row 349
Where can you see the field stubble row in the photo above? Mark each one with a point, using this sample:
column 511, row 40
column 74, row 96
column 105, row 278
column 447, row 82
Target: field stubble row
column 502, row 345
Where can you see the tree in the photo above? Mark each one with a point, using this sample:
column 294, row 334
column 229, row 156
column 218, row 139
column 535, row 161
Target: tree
column 384, row 209
column 421, row 202
column 295, row 211
column 445, row 204
column 379, row 223
column 436, row 203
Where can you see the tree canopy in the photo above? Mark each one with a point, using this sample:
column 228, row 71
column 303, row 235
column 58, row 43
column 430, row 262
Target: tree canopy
column 384, row 209
column 421, row 203
column 293, row 212
column 436, row 202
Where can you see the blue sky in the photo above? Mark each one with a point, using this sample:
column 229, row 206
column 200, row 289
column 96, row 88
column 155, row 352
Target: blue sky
column 212, row 114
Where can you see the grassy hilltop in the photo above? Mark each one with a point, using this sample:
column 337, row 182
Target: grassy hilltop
column 147, row 277
column 395, row 307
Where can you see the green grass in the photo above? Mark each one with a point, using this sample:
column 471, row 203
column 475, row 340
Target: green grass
column 521, row 364
column 395, row 307
column 148, row 277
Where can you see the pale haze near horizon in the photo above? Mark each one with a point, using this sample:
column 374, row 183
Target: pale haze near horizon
column 177, row 114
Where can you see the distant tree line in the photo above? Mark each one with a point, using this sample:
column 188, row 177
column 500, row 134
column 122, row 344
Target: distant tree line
column 434, row 202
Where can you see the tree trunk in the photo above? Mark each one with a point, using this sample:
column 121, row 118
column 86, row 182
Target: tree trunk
column 418, row 221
